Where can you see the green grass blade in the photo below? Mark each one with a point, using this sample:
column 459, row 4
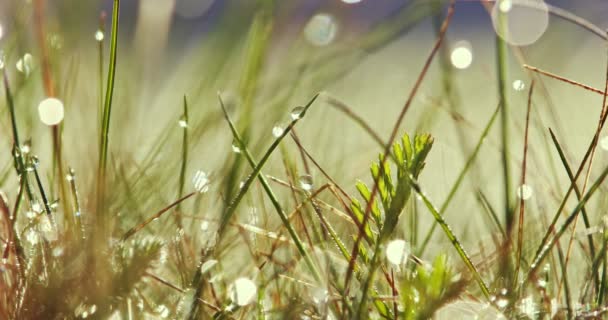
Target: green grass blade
column 459, row 180
column 546, row 246
column 455, row 242
column 107, row 108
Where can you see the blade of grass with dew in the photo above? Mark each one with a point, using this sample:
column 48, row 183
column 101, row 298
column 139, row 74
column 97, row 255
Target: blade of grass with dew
column 107, row 110
column 456, row 186
column 76, row 208
column 231, row 208
column 524, row 162
column 577, row 192
column 182, row 171
column 17, row 154
column 255, row 53
column 501, row 71
column 545, row 246
column 455, row 242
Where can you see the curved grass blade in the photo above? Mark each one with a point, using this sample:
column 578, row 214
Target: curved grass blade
column 545, row 246
column 459, row 180
column 455, row 242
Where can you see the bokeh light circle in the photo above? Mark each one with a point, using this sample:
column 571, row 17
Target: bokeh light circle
column 520, row 22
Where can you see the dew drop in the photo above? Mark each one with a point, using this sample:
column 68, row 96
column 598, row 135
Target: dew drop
column 37, row 207
column 51, row 111
column 1, row 31
column 306, row 182
column 58, row 252
column 524, row 192
column 71, row 175
column 208, row 265
column 277, row 131
column 321, row 30
column 462, row 55
column 505, row 5
column 501, row 303
column 1, row 60
column 204, row 225
column 520, row 22
column 243, row 291
column 519, row 85
column 351, row 1
column 296, row 113
column 99, row 36
column 162, row 311
column 201, row 182
column 26, row 147
column 397, row 251
column 31, row 236
column 235, row 147
column 25, row 64
column 183, row 123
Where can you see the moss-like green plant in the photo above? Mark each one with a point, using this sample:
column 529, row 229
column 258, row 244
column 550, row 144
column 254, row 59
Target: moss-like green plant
column 394, row 192
column 425, row 290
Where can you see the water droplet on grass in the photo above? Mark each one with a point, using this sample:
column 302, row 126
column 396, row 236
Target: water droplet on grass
column 277, row 131
column 162, row 311
column 31, row 236
column 204, row 225
column 502, row 303
column 505, row 5
column 306, row 182
column 183, row 123
column 71, row 175
column 208, row 265
column 243, row 291
column 26, row 147
column 519, row 85
column 235, row 147
column 321, row 30
column 397, row 251
column 25, row 64
column 201, row 182
column 525, row 192
column 99, row 36
column 296, row 113
column 37, row 207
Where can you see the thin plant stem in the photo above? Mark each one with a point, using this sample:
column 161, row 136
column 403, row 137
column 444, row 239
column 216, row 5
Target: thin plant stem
column 107, row 110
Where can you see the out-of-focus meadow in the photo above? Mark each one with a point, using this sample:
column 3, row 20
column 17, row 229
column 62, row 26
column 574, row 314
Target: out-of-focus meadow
column 138, row 201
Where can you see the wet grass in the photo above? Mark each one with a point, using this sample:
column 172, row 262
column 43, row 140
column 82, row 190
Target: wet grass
column 268, row 228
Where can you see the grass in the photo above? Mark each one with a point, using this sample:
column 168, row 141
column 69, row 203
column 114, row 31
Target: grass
column 281, row 220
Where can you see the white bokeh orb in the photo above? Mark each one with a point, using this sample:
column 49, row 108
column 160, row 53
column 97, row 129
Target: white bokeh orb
column 520, row 22
column 462, row 55
column 51, row 111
